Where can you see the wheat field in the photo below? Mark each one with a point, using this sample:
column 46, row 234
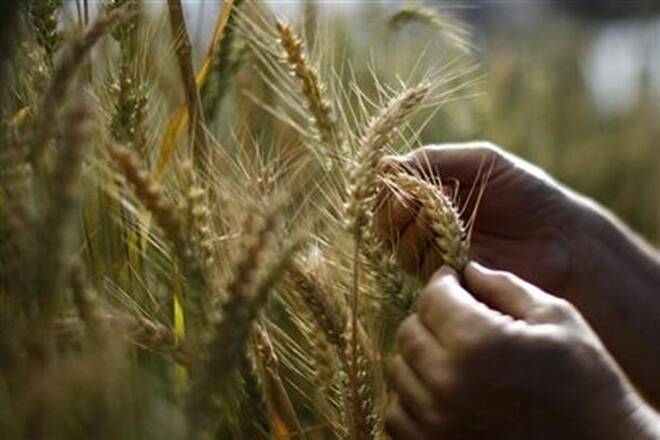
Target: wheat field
column 186, row 233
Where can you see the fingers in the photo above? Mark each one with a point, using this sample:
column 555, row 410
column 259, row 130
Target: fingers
column 399, row 424
column 448, row 310
column 424, row 357
column 502, row 291
column 413, row 394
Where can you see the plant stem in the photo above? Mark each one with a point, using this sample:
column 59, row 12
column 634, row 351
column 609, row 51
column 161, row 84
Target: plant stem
column 193, row 101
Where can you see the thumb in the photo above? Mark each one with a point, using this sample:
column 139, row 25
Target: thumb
column 502, row 291
column 461, row 161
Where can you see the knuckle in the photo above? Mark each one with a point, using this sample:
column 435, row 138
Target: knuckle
column 558, row 310
column 504, row 278
column 488, row 149
column 411, row 345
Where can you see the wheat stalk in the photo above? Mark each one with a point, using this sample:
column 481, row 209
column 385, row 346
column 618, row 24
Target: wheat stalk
column 197, row 128
column 451, row 235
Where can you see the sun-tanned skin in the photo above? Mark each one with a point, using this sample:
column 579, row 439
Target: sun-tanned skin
column 488, row 355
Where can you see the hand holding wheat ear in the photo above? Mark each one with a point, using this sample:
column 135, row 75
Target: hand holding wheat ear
column 449, row 233
column 524, row 215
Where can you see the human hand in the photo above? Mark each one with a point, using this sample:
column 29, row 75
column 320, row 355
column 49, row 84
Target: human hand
column 525, row 220
column 499, row 358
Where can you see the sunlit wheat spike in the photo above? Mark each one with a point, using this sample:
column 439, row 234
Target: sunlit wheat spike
column 311, row 86
column 377, row 135
column 445, row 221
column 198, row 221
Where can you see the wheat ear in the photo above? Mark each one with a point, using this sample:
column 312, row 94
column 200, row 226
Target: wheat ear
column 55, row 230
column 451, row 236
column 254, row 276
column 64, row 76
column 277, row 398
column 372, row 148
column 86, row 304
column 127, row 125
column 333, row 316
column 310, row 83
column 455, row 32
column 43, row 15
column 169, row 219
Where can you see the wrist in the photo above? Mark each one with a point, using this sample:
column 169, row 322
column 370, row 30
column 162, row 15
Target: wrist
column 630, row 418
